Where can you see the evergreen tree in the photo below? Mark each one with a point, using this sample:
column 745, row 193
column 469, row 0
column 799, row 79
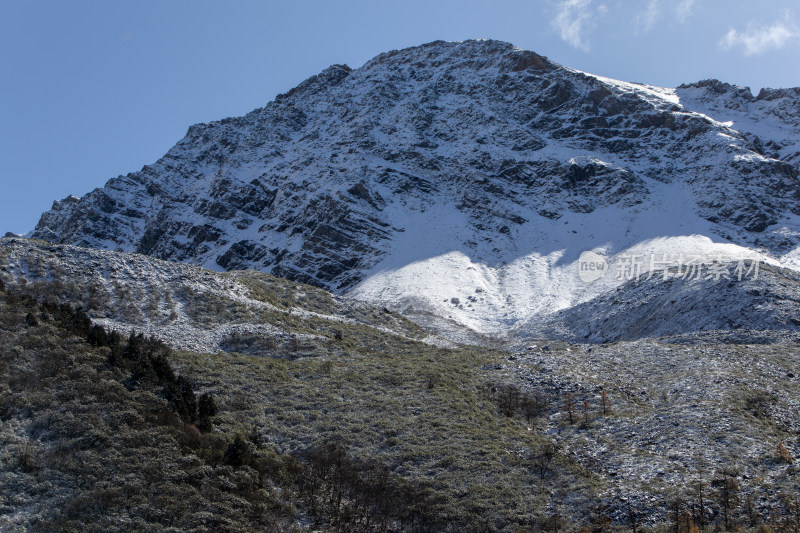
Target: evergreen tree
column 206, row 408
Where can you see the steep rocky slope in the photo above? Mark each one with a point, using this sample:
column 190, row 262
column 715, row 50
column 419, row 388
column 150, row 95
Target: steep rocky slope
column 456, row 171
column 771, row 119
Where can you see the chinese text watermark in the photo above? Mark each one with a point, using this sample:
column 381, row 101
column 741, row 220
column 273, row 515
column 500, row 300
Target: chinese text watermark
column 625, row 267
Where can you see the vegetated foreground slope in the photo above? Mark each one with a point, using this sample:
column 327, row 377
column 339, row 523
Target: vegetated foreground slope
column 488, row 439
column 676, row 425
column 469, row 172
column 383, row 434
column 190, row 307
column 89, row 445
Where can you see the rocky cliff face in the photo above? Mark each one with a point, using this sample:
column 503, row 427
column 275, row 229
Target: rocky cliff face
column 475, row 148
column 770, row 120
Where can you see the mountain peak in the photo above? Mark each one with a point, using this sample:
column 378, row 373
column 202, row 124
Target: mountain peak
column 717, row 87
column 476, row 53
column 332, row 75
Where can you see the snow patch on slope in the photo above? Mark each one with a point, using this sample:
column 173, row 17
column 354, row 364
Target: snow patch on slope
column 492, row 290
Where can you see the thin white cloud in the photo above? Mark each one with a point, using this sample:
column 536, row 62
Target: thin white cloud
column 644, row 21
column 757, row 39
column 573, row 20
column 684, row 9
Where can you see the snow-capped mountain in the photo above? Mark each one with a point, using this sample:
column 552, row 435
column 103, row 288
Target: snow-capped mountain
column 463, row 180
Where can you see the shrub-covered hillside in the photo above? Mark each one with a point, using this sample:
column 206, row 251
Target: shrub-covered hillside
column 100, row 433
column 316, row 413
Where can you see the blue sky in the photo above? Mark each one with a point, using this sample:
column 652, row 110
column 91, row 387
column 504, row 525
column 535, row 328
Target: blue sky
column 92, row 90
